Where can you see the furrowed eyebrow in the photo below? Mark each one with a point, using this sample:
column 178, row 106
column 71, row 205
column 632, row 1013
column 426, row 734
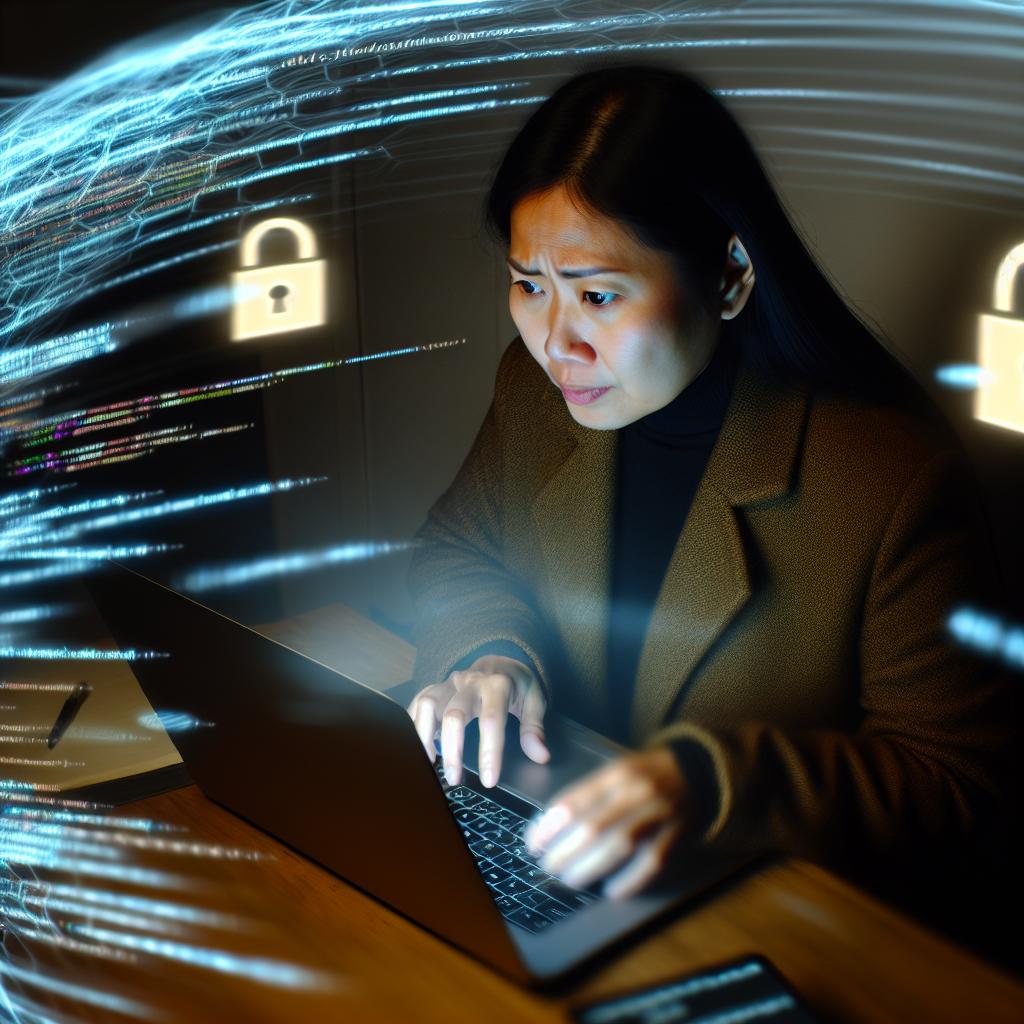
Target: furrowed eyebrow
column 583, row 272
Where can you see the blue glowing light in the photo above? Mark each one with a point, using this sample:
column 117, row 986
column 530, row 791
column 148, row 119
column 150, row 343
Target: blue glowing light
column 278, row 565
column 987, row 633
column 259, row 969
column 36, row 613
column 34, row 360
column 96, row 165
column 40, row 979
column 171, row 721
column 965, row 376
column 78, row 654
column 24, row 538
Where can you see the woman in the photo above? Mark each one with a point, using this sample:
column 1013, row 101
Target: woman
column 706, row 513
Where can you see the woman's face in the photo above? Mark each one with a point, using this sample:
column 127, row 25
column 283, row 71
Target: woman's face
column 604, row 315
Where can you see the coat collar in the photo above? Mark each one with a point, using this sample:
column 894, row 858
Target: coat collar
column 707, row 581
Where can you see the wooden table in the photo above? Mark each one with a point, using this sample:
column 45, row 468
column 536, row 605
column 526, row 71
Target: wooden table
column 851, row 957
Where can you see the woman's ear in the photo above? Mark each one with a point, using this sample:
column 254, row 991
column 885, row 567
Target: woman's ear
column 737, row 280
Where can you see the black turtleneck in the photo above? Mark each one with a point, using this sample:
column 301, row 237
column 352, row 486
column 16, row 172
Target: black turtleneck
column 661, row 459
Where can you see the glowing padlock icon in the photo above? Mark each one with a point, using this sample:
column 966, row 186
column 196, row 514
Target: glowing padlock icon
column 1000, row 398
column 281, row 298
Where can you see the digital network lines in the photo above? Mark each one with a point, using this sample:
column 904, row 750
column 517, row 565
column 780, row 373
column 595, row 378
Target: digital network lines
column 138, row 149
column 80, row 880
column 150, row 164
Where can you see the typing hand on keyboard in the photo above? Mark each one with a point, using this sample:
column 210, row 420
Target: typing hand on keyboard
column 491, row 689
column 525, row 894
column 625, row 818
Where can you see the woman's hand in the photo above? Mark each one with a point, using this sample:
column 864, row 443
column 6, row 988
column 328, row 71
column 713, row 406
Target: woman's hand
column 625, row 817
column 490, row 689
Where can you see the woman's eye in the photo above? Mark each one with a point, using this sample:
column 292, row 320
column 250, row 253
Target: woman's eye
column 602, row 298
column 529, row 287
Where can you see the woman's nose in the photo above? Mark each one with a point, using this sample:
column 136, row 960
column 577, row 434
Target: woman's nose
column 564, row 343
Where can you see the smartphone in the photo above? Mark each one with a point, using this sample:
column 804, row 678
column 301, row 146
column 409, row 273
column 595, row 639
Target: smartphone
column 749, row 989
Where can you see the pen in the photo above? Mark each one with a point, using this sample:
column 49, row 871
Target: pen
column 67, row 713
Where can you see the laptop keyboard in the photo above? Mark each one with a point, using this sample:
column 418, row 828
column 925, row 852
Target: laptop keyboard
column 525, row 895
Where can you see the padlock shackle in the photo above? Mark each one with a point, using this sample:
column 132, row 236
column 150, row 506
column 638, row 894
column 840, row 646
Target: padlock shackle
column 252, row 239
column 1006, row 278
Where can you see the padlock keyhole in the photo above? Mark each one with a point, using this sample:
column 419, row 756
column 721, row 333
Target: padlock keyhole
column 277, row 294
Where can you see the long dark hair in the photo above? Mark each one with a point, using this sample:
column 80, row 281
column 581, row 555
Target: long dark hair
column 654, row 149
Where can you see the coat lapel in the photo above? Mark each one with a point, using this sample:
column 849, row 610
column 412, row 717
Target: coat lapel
column 573, row 512
column 708, row 579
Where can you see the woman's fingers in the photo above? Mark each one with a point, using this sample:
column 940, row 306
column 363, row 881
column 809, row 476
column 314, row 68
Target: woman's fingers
column 494, row 701
column 531, row 726
column 601, row 841
column 607, row 819
column 460, row 709
column 645, row 865
column 604, row 852
column 486, row 692
column 567, row 807
column 424, row 709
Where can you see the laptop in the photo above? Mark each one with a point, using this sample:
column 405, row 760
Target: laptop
column 336, row 770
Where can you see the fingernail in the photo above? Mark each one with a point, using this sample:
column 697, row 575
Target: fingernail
column 552, row 820
column 572, row 877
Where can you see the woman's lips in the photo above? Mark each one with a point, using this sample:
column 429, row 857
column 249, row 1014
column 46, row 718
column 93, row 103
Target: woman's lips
column 584, row 396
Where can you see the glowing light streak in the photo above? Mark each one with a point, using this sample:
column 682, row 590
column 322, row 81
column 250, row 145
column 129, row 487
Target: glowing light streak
column 37, row 613
column 265, row 971
column 47, row 460
column 53, row 428
column 35, row 762
column 143, row 905
column 127, row 873
column 171, row 721
column 27, row 400
column 40, row 688
column 13, row 503
column 36, row 850
column 953, row 170
column 32, row 360
column 132, row 102
column 101, row 820
column 382, row 121
column 49, row 905
column 78, row 654
column 89, row 554
column 73, row 945
column 23, row 576
column 121, row 449
column 213, row 300
column 46, row 801
column 987, row 633
column 14, row 785
column 850, row 98
column 177, row 506
column 965, row 376
column 72, row 834
column 37, row 978
column 89, row 734
column 218, row 218
column 302, row 561
column 305, row 165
